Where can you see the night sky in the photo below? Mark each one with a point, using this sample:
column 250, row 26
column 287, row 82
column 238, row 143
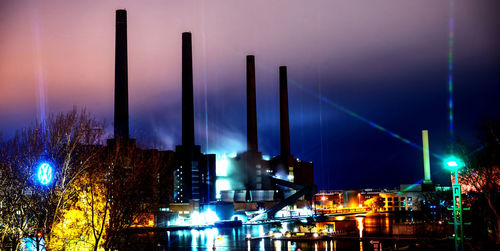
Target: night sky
column 386, row 61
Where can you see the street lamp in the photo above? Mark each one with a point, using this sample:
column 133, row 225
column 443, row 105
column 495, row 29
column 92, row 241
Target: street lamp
column 452, row 163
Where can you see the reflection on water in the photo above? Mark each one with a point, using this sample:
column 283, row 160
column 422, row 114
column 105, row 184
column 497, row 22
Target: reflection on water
column 235, row 239
column 277, row 245
column 360, row 225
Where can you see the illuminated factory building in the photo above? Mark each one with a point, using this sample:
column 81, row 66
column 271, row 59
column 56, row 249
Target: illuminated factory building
column 247, row 175
column 189, row 180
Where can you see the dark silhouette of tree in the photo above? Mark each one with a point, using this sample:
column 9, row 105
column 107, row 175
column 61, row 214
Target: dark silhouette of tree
column 480, row 180
column 131, row 181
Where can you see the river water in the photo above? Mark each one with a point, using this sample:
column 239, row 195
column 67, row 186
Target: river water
column 235, row 238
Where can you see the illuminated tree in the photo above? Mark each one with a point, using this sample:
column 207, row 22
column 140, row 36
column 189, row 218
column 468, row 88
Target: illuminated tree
column 112, row 196
column 82, row 226
column 375, row 203
column 97, row 192
column 68, row 141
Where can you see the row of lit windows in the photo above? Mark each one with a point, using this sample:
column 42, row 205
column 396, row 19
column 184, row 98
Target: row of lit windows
column 398, row 198
column 402, row 203
column 398, row 209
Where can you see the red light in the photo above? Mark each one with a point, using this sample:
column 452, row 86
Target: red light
column 440, row 222
column 39, row 234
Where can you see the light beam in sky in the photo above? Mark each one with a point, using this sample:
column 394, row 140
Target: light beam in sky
column 359, row 117
column 451, row 29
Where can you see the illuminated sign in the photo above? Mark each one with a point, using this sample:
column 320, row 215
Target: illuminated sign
column 44, row 173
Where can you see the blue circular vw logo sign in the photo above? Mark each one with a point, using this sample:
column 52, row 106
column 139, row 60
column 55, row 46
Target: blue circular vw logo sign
column 45, row 173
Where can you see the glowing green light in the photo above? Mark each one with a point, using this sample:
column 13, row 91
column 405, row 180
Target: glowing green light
column 453, row 163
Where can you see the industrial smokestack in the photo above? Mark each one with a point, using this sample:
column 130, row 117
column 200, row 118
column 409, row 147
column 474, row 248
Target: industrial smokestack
column 284, row 122
column 425, row 150
column 121, row 77
column 187, row 91
column 252, row 145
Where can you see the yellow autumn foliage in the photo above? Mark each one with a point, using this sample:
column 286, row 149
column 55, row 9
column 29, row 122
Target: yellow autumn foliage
column 82, row 226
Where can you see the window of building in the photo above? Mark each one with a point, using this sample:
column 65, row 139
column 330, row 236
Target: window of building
column 410, row 209
column 409, row 203
column 389, row 199
column 402, row 198
column 390, row 203
column 409, row 198
column 403, row 209
column 396, row 198
column 402, row 203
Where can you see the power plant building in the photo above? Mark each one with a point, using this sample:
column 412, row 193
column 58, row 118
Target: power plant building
column 251, row 176
column 187, row 177
column 194, row 175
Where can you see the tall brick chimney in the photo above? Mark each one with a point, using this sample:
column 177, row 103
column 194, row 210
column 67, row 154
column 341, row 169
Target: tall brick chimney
column 252, row 144
column 121, row 126
column 187, row 91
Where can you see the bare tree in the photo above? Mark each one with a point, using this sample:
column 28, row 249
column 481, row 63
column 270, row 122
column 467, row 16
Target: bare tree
column 97, row 194
column 131, row 188
column 480, row 178
column 67, row 142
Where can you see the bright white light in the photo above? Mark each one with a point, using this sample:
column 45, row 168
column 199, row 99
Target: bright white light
column 261, row 230
column 304, row 211
column 210, row 217
column 221, row 185
column 452, row 163
column 180, row 221
column 284, row 227
column 290, row 177
column 196, row 218
column 266, row 157
column 221, row 165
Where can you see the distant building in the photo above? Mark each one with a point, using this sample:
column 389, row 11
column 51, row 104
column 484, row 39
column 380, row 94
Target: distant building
column 407, row 198
column 194, row 178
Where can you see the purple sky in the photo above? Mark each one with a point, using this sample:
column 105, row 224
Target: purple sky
column 385, row 60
